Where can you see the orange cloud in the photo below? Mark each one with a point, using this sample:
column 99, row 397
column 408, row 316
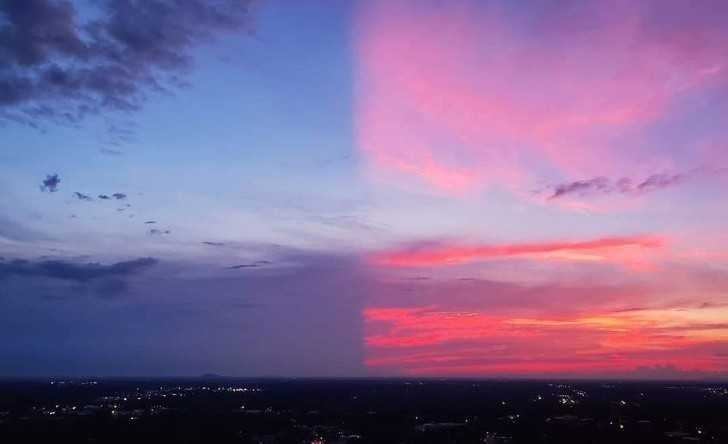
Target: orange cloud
column 434, row 341
column 576, row 250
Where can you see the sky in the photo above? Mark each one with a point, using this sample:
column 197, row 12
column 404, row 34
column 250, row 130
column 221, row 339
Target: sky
column 409, row 188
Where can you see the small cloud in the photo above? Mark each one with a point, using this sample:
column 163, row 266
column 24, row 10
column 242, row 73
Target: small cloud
column 110, row 152
column 595, row 185
column 50, row 184
column 104, row 197
column 150, row 222
column 625, row 186
column 213, row 244
column 659, row 181
column 119, row 196
column 81, row 196
column 255, row 264
column 156, row 232
column 432, row 253
column 237, row 267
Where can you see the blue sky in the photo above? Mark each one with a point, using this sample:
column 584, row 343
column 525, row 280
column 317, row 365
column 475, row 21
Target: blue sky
column 210, row 147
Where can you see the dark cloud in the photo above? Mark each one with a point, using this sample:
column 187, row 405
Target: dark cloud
column 119, row 196
column 150, row 222
column 81, row 196
column 213, row 244
column 104, row 197
column 157, row 232
column 255, row 264
column 72, row 271
column 54, row 279
column 598, row 184
column 50, row 183
column 625, row 185
column 659, row 181
column 56, row 67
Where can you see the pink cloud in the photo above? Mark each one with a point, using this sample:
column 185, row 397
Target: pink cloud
column 574, row 250
column 436, row 341
column 574, row 323
column 464, row 95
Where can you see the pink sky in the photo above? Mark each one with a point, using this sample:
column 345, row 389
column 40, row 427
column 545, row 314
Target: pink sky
column 585, row 117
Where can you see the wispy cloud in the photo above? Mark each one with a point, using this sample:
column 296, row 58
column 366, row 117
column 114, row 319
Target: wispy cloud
column 625, row 185
column 443, row 254
column 255, row 264
column 12, row 230
column 425, row 111
column 110, row 152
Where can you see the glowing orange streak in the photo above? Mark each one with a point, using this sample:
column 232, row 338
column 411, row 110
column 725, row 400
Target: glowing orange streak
column 459, row 254
column 428, row 341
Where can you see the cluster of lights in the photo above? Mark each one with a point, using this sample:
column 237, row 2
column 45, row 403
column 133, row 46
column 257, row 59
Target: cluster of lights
column 567, row 400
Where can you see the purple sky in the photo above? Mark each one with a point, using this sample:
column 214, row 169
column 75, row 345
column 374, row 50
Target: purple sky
column 373, row 188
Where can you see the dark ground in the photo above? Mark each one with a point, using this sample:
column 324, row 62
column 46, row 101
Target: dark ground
column 218, row 410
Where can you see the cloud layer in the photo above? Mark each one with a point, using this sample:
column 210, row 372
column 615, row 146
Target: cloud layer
column 73, row 271
column 591, row 329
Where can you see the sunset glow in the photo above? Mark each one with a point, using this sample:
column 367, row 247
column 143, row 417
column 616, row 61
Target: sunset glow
column 367, row 188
